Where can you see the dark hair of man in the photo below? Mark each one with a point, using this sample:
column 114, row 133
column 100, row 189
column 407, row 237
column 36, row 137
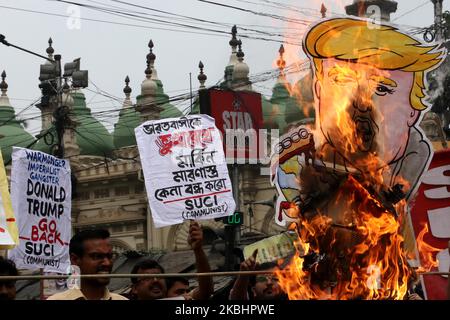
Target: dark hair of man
column 76, row 243
column 145, row 265
column 172, row 280
column 7, row 267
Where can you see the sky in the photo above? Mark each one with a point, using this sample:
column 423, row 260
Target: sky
column 117, row 47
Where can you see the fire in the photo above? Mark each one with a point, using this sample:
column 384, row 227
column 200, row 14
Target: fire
column 350, row 210
column 427, row 252
column 352, row 247
column 376, row 267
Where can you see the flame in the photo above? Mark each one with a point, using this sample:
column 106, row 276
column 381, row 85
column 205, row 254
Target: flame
column 377, row 265
column 366, row 258
column 362, row 257
column 427, row 252
column 351, row 247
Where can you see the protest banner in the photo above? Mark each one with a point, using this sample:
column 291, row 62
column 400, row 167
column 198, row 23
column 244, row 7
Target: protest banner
column 431, row 208
column 185, row 171
column 239, row 117
column 41, row 195
column 273, row 248
column 9, row 235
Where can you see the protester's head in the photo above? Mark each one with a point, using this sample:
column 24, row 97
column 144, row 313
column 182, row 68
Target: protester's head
column 8, row 287
column 266, row 286
column 148, row 288
column 177, row 286
column 91, row 251
column 370, row 85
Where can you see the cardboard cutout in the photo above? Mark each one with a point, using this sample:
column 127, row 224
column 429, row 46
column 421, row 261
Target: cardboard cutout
column 365, row 157
column 9, row 234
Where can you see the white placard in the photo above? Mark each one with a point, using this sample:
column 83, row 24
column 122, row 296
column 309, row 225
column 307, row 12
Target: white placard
column 41, row 193
column 8, row 227
column 5, row 237
column 185, row 171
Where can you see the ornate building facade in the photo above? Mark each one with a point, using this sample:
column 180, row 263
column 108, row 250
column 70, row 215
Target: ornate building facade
column 109, row 186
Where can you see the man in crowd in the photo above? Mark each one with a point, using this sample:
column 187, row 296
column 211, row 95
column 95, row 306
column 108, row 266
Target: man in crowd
column 262, row 287
column 177, row 286
column 8, row 287
column 150, row 288
column 156, row 288
column 91, row 251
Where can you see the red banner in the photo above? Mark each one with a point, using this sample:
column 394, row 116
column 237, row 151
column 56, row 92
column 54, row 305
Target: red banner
column 432, row 207
column 241, row 114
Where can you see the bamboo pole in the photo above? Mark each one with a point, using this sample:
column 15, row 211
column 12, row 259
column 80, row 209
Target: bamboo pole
column 163, row 275
column 140, row 275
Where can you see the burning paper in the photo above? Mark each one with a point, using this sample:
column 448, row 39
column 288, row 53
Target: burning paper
column 345, row 185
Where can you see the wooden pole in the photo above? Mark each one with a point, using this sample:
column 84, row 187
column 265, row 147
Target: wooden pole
column 163, row 275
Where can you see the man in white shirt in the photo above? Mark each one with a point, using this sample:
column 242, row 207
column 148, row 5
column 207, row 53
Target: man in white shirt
column 91, row 251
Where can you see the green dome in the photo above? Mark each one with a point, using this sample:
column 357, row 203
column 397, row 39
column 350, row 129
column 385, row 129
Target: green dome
column 303, row 93
column 228, row 75
column 92, row 137
column 281, row 97
column 273, row 115
column 11, row 131
column 169, row 110
column 195, row 106
column 162, row 100
column 124, row 129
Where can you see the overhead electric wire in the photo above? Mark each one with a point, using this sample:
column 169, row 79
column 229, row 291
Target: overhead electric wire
column 263, row 14
column 221, row 33
column 256, row 78
column 275, row 16
column 412, row 10
column 114, row 12
column 140, row 26
column 188, row 18
column 109, row 22
column 198, row 20
column 175, row 24
column 195, row 19
column 299, row 9
column 283, row 6
column 180, row 98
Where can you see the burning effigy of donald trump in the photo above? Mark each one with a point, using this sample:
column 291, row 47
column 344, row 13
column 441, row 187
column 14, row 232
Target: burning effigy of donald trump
column 343, row 185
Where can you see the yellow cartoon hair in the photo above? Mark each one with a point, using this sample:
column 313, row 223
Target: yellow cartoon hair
column 381, row 46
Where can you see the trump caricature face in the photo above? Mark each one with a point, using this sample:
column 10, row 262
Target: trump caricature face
column 365, row 111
